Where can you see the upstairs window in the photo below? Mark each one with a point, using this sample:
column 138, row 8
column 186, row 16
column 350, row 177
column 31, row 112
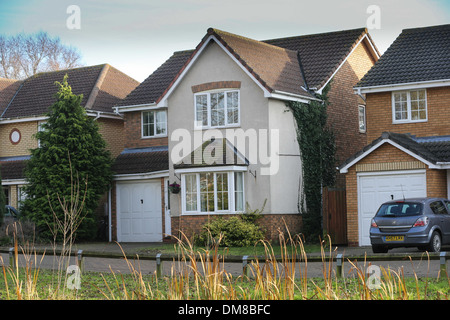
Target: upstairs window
column 154, row 123
column 362, row 118
column 217, row 109
column 409, row 106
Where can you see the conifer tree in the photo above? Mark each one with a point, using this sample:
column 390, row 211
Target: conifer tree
column 71, row 151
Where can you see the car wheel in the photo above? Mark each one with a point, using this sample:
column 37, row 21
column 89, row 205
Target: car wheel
column 435, row 243
column 379, row 249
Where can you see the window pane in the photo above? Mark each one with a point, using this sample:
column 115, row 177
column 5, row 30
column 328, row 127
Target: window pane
column 191, row 192
column 217, row 109
column 418, row 105
column 201, row 109
column 238, row 191
column 222, row 191
column 400, row 106
column 148, row 124
column 161, row 122
column 233, row 107
column 207, row 192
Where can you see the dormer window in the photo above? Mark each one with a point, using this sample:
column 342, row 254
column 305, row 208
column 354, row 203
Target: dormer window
column 217, row 109
column 409, row 106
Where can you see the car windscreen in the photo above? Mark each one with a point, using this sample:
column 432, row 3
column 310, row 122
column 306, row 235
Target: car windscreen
column 400, row 209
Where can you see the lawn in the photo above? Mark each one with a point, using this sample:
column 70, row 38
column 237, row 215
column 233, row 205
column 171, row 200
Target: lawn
column 109, row 286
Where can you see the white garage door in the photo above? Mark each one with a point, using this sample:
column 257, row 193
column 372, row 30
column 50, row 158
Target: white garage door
column 139, row 212
column 376, row 188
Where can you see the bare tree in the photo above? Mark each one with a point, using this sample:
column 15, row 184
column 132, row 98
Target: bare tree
column 22, row 56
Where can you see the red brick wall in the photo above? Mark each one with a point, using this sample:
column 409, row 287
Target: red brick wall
column 379, row 115
column 133, row 137
column 343, row 107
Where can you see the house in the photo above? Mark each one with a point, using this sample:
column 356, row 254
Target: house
column 23, row 105
column 407, row 96
column 214, row 120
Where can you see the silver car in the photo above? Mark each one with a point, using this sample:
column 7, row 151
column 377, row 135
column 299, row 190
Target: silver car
column 418, row 222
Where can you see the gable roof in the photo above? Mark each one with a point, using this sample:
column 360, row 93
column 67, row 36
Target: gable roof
column 276, row 68
column 322, row 54
column 417, row 55
column 102, row 86
column 432, row 150
column 8, row 87
column 286, row 66
column 152, row 88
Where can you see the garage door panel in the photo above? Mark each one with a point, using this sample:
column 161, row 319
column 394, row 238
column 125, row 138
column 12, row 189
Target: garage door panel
column 375, row 189
column 139, row 212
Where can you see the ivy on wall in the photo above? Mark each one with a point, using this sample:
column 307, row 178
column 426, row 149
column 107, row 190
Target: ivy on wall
column 317, row 148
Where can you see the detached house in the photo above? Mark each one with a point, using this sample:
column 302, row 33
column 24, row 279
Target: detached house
column 408, row 110
column 23, row 105
column 214, row 120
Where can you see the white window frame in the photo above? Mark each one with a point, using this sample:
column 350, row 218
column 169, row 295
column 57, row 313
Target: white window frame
column 362, row 112
column 199, row 125
column 408, row 107
column 231, row 193
column 154, row 117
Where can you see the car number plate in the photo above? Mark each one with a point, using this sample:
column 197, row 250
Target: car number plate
column 394, row 238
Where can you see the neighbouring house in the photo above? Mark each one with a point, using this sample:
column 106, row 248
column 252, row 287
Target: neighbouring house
column 23, row 105
column 183, row 125
column 407, row 103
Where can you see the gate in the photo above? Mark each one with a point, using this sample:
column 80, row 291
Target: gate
column 335, row 214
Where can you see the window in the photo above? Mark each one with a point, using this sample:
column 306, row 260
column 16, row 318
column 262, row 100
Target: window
column 210, row 192
column 154, row 123
column 362, row 118
column 217, row 109
column 409, row 106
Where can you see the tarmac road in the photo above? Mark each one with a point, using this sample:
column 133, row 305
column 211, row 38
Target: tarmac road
column 396, row 260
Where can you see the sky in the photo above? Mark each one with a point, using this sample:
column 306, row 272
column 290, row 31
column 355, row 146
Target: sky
column 137, row 36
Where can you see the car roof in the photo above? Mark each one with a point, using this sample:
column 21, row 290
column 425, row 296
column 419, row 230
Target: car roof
column 418, row 199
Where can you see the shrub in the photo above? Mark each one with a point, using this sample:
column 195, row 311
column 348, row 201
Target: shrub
column 235, row 231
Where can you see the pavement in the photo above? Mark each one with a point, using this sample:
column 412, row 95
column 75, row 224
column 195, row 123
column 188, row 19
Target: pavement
column 109, row 257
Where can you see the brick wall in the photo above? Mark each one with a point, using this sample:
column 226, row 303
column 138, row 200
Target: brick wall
column 133, row 135
column 27, row 141
column 343, row 107
column 112, row 132
column 379, row 115
column 273, row 224
column 436, row 184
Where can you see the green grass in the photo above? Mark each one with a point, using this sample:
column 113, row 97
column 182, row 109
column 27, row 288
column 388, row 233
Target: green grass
column 96, row 286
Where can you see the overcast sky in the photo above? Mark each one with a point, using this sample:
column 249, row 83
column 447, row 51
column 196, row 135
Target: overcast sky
column 137, row 36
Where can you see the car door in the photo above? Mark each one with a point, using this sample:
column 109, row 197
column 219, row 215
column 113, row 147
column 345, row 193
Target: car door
column 445, row 223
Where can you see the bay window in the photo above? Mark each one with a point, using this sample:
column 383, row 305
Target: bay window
column 213, row 192
column 217, row 109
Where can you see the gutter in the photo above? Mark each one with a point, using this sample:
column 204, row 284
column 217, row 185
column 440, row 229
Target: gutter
column 403, row 86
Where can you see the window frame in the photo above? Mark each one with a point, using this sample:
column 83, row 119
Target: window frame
column 154, row 117
column 362, row 111
column 230, row 189
column 408, row 106
column 209, row 112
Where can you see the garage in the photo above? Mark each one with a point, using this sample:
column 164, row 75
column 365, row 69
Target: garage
column 374, row 188
column 139, row 213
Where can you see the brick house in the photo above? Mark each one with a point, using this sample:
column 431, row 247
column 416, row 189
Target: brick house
column 407, row 99
column 23, row 105
column 230, row 83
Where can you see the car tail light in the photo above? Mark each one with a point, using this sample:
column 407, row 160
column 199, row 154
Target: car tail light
column 421, row 222
column 373, row 224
